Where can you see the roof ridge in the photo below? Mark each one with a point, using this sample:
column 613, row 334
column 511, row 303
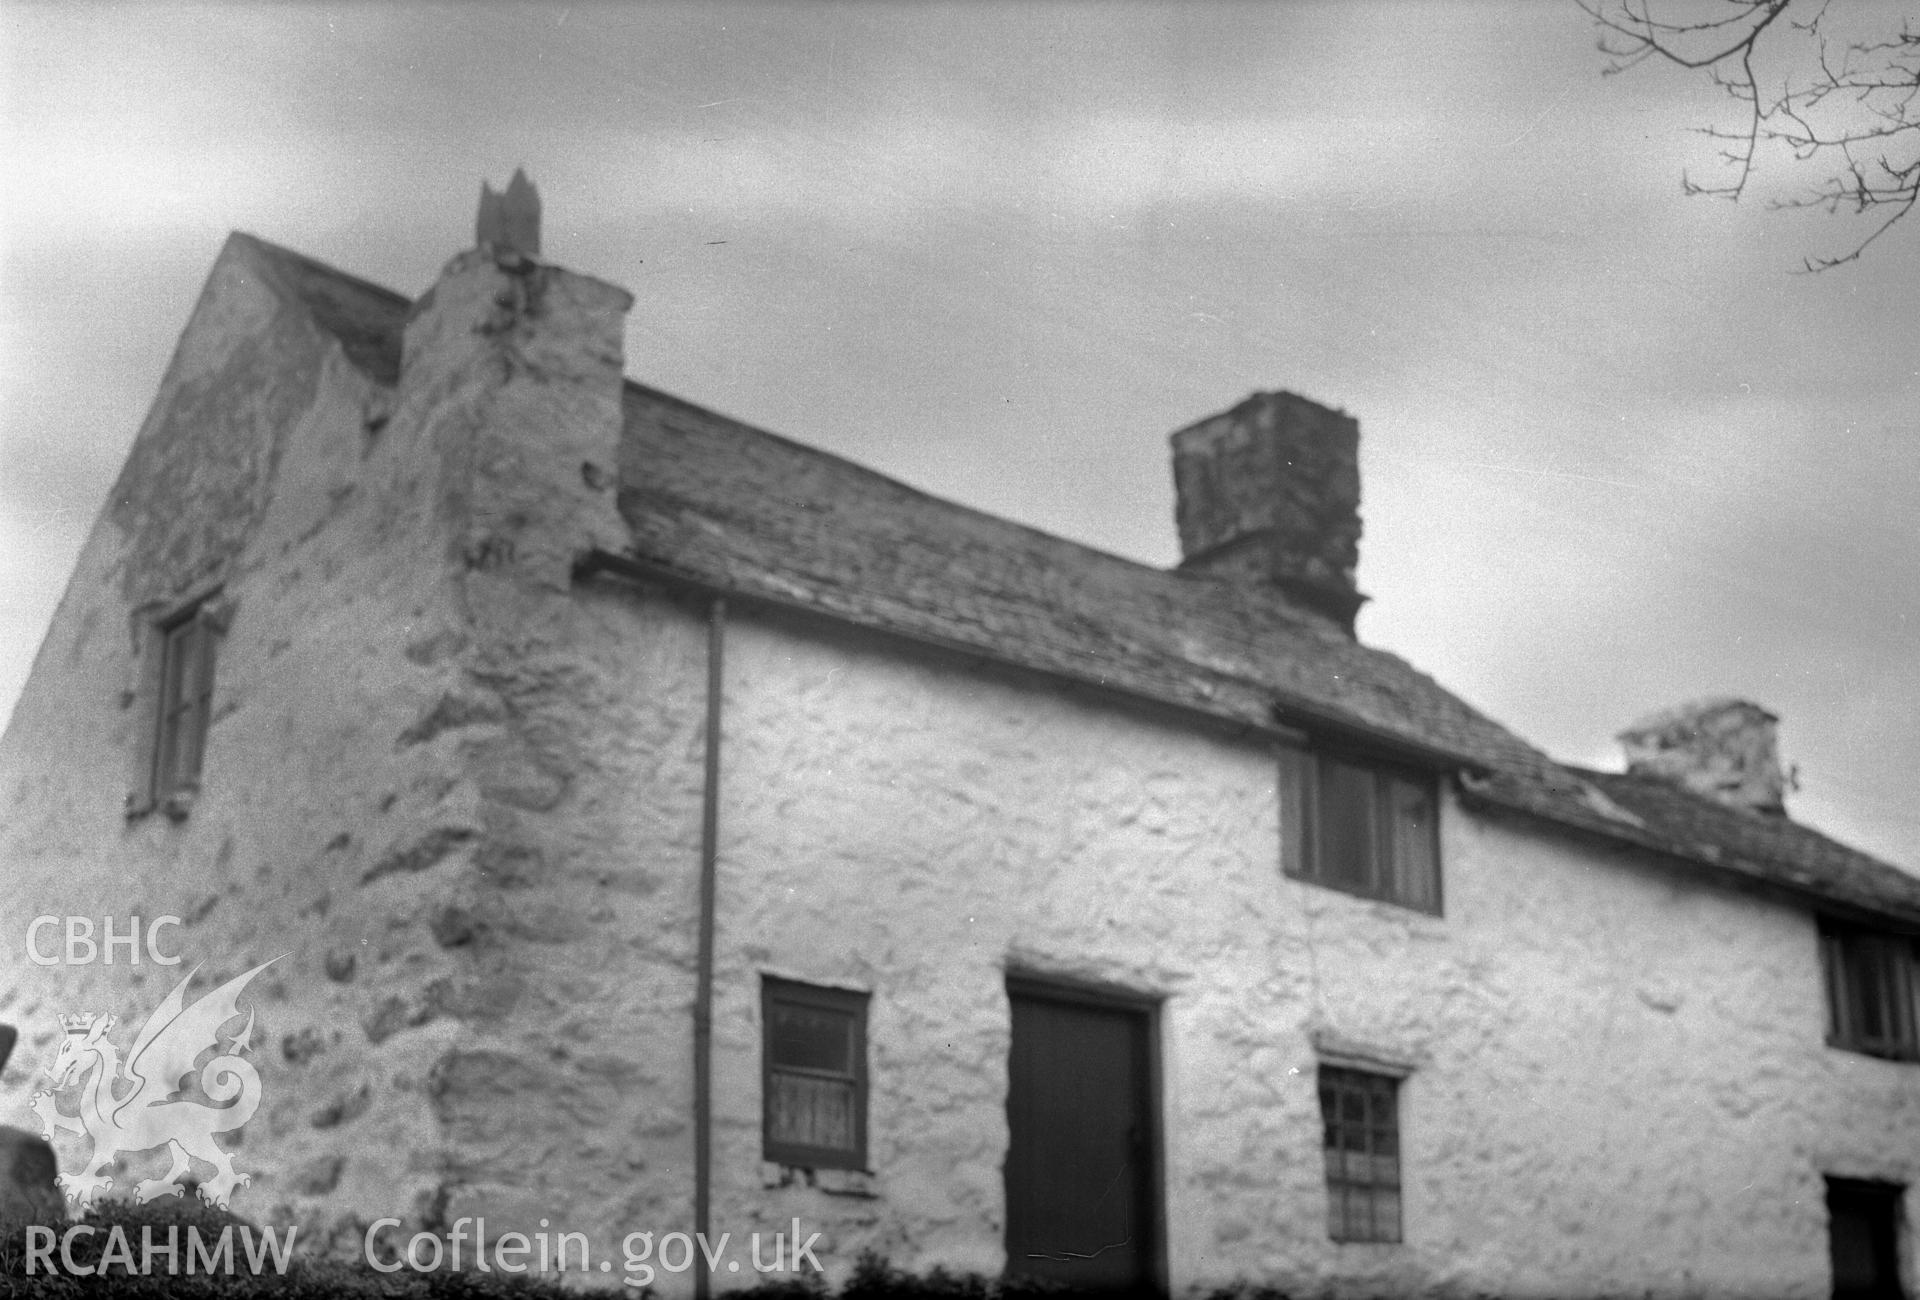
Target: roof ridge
column 366, row 319
column 313, row 264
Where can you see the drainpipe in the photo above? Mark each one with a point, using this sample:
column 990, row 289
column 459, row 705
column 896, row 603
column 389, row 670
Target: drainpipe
column 703, row 988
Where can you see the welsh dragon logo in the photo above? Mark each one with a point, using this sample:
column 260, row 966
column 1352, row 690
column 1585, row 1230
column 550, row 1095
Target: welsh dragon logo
column 136, row 1106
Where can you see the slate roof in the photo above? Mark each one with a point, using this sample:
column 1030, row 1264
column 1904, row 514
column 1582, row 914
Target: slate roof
column 730, row 505
column 722, row 505
column 1761, row 845
column 367, row 318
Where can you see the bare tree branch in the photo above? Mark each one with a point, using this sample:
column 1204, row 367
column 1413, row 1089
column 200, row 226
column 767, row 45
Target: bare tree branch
column 1846, row 114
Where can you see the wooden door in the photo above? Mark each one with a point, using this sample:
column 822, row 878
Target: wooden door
column 1864, row 1238
column 1082, row 1183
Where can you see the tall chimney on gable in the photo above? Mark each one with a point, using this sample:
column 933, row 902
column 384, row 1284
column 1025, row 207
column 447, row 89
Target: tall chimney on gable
column 1723, row 749
column 513, row 368
column 1270, row 491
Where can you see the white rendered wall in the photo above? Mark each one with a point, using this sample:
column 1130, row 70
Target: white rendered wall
column 1620, row 1083
column 463, row 798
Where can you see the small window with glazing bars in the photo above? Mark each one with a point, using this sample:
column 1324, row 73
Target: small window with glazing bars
column 1361, row 1125
column 814, row 1075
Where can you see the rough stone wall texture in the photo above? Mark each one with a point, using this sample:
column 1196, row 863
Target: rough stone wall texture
column 1270, row 491
column 382, row 787
column 567, row 1097
column 460, row 791
column 270, row 466
column 1621, row 1082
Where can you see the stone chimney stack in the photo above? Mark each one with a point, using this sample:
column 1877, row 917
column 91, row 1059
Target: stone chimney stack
column 1721, row 748
column 1270, row 491
column 513, row 369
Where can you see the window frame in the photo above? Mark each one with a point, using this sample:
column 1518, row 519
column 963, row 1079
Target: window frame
column 1339, row 1080
column 1852, row 955
column 774, row 991
column 1304, row 813
column 178, row 654
column 183, row 702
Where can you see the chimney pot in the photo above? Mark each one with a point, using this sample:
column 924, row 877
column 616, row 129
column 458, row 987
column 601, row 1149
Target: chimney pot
column 1270, row 491
column 509, row 221
column 1724, row 749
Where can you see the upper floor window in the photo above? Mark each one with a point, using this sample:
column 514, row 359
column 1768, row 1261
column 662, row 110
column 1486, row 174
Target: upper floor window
column 1361, row 827
column 186, row 691
column 814, row 1075
column 178, row 694
column 1870, row 978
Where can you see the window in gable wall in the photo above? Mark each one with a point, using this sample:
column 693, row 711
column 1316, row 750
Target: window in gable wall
column 1870, row 978
column 814, row 1075
column 179, row 652
column 1361, row 827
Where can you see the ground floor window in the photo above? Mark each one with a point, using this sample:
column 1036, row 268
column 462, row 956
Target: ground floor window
column 1361, row 1121
column 815, row 1075
column 1863, row 1234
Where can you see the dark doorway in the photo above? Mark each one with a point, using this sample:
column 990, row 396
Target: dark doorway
column 1863, row 1234
column 1082, row 1181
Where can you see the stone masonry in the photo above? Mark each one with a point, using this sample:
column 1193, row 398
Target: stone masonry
column 454, row 782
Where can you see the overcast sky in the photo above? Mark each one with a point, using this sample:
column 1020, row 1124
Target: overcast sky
column 1615, row 453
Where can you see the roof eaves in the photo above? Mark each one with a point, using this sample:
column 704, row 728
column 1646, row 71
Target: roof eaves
column 1249, row 708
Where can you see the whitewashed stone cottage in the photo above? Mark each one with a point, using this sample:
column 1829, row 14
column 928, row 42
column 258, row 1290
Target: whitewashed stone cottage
column 670, row 826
